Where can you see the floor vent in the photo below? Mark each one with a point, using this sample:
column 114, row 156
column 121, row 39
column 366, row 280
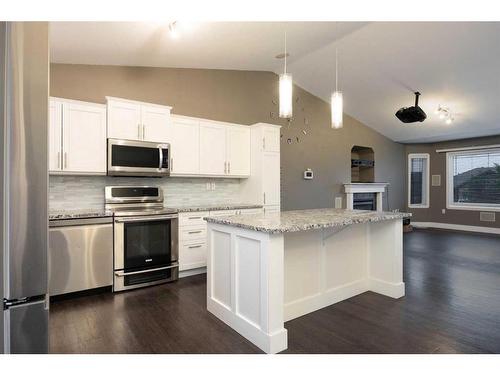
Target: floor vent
column 487, row 216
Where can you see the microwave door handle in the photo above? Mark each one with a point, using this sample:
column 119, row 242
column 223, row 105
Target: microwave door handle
column 161, row 157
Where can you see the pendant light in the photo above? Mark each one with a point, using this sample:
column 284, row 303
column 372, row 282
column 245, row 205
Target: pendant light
column 337, row 101
column 285, row 92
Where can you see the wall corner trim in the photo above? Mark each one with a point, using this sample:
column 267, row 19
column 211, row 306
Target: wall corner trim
column 466, row 228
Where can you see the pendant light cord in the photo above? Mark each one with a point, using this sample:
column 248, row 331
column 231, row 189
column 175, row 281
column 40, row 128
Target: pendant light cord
column 336, row 70
column 285, row 52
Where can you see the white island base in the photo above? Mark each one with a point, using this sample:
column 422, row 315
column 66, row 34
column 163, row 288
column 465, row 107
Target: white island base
column 258, row 280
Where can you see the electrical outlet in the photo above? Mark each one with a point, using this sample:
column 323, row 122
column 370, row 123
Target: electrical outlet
column 208, row 186
column 213, row 185
column 443, row 211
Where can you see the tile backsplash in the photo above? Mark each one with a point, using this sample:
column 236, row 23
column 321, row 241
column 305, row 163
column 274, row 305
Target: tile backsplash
column 82, row 192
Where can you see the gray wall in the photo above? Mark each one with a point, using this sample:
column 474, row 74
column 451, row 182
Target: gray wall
column 247, row 97
column 438, row 193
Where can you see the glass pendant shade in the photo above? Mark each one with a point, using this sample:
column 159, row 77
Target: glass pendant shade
column 337, row 105
column 285, row 95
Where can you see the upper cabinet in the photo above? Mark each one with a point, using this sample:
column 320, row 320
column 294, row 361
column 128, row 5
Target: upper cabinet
column 271, row 139
column 238, row 150
column 128, row 119
column 77, row 137
column 185, row 146
column 212, row 149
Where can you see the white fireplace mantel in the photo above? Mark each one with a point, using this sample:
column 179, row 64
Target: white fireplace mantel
column 365, row 187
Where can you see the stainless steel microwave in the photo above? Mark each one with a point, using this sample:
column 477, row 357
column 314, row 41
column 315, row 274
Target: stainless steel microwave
column 138, row 158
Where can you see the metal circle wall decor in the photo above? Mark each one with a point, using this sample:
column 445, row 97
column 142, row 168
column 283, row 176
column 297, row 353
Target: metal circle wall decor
column 290, row 124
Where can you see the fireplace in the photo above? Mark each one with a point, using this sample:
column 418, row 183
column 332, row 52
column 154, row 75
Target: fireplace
column 365, row 201
column 365, row 195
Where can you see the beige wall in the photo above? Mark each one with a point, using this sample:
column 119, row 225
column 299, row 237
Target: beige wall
column 246, row 97
column 438, row 193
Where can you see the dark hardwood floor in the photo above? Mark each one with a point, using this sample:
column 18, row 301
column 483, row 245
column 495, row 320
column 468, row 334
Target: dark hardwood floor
column 452, row 305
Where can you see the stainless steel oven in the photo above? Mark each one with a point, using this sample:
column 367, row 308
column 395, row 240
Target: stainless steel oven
column 145, row 245
column 138, row 158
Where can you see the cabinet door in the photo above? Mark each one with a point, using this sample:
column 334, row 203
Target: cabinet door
column 271, row 178
column 185, row 146
column 212, row 149
column 55, row 134
column 271, row 139
column 238, row 151
column 156, row 125
column 124, row 120
column 84, row 143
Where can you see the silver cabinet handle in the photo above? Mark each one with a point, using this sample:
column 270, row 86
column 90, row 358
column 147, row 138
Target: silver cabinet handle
column 229, row 167
column 194, row 217
column 264, row 198
column 143, row 131
column 194, row 246
column 58, row 159
column 161, row 156
column 65, row 160
column 138, row 131
column 225, row 167
column 171, row 164
column 263, row 143
column 122, row 273
column 194, row 231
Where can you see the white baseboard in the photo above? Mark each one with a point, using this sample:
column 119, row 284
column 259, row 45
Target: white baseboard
column 192, row 272
column 393, row 290
column 467, row 228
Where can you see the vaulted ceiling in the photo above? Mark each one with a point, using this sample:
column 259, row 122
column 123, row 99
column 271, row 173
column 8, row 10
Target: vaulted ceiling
column 381, row 64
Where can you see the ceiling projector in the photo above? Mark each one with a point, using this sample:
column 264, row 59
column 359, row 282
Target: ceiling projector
column 411, row 114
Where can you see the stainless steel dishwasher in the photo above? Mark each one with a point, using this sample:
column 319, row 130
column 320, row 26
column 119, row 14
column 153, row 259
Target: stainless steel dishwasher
column 80, row 254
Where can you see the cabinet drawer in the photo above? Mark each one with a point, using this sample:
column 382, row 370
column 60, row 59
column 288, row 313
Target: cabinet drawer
column 190, row 234
column 192, row 218
column 192, row 255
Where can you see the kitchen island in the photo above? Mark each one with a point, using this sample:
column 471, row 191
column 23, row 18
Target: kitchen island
column 266, row 269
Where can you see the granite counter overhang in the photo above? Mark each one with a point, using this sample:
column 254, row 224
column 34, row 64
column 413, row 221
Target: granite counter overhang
column 302, row 220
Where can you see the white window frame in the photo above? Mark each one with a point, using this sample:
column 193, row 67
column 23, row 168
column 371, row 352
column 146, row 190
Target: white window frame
column 450, row 204
column 427, row 178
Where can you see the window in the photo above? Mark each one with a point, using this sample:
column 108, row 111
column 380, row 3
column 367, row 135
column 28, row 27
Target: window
column 473, row 179
column 418, row 180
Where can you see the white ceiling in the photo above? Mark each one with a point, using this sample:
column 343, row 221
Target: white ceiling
column 381, row 64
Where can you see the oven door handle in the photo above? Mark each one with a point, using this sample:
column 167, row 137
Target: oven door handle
column 123, row 273
column 145, row 219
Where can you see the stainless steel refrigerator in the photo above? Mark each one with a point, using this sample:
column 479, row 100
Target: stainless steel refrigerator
column 24, row 83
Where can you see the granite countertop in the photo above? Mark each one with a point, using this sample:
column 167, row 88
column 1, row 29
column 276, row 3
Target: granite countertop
column 214, row 207
column 295, row 221
column 79, row 213
column 102, row 212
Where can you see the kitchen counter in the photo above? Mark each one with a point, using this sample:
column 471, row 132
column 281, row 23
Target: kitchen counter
column 300, row 220
column 266, row 269
column 214, row 207
column 86, row 213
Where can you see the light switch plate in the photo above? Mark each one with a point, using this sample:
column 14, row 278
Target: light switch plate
column 213, row 185
column 443, row 211
column 338, row 202
column 208, row 186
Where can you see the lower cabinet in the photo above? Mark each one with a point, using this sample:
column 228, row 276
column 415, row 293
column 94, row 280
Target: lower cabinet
column 193, row 236
column 80, row 257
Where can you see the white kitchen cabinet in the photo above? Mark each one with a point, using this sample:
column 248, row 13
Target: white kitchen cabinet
column 271, row 178
column 55, row 135
column 138, row 121
column 271, row 139
column 156, row 123
column 263, row 185
column 185, row 146
column 77, row 137
column 212, row 149
column 238, row 150
column 84, row 138
column 124, row 120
